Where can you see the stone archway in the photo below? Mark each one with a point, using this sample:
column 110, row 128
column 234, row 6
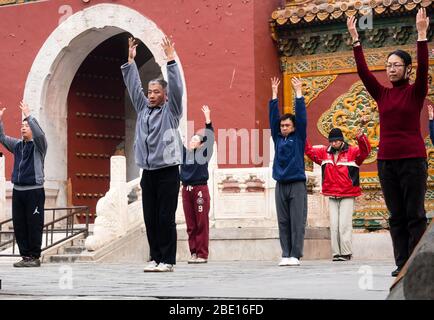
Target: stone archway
column 57, row 62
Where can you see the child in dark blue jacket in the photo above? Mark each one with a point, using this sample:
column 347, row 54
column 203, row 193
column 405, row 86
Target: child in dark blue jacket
column 289, row 135
column 195, row 193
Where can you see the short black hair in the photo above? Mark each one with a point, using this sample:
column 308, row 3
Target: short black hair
column 201, row 137
column 161, row 82
column 289, row 116
column 404, row 55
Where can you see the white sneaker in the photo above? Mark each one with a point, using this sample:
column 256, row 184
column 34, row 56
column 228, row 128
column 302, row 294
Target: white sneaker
column 284, row 262
column 164, row 267
column 201, row 260
column 293, row 262
column 192, row 259
column 151, row 266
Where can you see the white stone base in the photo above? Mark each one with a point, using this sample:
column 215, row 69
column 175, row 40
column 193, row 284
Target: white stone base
column 372, row 245
column 243, row 244
column 255, row 244
column 226, row 244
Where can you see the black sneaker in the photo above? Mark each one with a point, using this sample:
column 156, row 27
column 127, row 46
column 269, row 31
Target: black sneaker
column 345, row 257
column 336, row 258
column 34, row 262
column 28, row 262
column 396, row 272
column 22, row 263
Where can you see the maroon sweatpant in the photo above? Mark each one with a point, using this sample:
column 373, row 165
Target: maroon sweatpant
column 196, row 203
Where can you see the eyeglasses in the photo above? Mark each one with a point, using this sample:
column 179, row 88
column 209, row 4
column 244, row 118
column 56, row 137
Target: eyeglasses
column 394, row 66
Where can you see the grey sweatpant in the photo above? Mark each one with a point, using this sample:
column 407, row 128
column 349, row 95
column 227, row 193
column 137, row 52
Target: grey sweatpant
column 291, row 207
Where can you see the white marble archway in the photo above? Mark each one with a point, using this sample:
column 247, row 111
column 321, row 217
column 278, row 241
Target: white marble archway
column 57, row 62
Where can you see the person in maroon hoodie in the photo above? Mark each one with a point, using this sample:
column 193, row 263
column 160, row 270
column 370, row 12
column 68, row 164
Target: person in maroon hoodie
column 401, row 159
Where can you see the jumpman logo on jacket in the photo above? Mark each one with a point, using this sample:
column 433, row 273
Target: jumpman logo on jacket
column 36, row 211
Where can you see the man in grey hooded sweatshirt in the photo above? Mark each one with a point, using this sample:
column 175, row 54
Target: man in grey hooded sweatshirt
column 157, row 148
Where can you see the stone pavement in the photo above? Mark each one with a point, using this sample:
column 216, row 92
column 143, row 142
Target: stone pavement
column 315, row 279
column 241, row 279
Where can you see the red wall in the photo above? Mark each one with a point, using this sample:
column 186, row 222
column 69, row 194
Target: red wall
column 214, row 40
column 266, row 65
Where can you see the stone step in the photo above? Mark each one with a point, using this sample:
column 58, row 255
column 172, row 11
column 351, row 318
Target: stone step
column 64, row 258
column 67, row 252
column 73, row 249
column 78, row 242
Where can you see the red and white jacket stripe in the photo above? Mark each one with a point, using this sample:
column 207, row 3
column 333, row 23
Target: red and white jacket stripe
column 340, row 178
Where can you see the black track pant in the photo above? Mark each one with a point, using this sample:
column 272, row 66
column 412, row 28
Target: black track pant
column 28, row 220
column 403, row 183
column 160, row 189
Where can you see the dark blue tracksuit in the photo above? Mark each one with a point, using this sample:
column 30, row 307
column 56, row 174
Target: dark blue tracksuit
column 288, row 171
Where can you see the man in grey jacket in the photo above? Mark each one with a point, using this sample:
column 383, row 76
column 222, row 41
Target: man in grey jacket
column 28, row 195
column 157, row 148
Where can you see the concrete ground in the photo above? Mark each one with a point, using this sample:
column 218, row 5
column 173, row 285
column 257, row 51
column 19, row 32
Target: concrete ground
column 315, row 279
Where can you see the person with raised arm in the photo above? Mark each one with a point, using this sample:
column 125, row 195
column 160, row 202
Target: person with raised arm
column 289, row 135
column 340, row 164
column 195, row 194
column 401, row 159
column 28, row 194
column 158, row 152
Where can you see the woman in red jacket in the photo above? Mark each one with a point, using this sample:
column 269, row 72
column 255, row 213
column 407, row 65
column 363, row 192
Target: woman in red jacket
column 340, row 181
column 402, row 166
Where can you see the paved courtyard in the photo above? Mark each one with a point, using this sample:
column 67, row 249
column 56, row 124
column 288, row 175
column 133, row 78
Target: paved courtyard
column 365, row 280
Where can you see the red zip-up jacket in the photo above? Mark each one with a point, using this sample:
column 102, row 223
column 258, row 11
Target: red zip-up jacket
column 340, row 178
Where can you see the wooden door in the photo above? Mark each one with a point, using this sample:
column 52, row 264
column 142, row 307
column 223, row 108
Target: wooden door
column 96, row 121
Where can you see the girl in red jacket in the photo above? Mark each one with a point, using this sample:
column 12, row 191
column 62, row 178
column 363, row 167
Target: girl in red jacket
column 340, row 181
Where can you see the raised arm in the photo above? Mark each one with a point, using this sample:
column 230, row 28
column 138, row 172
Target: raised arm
column 38, row 134
column 364, row 147
column 422, row 25
column 316, row 154
column 209, row 133
column 371, row 83
column 132, row 78
column 300, row 109
column 8, row 142
column 175, row 89
column 274, row 108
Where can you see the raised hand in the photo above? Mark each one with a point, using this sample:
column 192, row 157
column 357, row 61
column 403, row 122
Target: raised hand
column 360, row 132
column 430, row 112
column 25, row 109
column 275, row 82
column 352, row 29
column 365, row 119
column 207, row 113
column 297, row 85
column 132, row 49
column 169, row 48
column 2, row 110
column 422, row 24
